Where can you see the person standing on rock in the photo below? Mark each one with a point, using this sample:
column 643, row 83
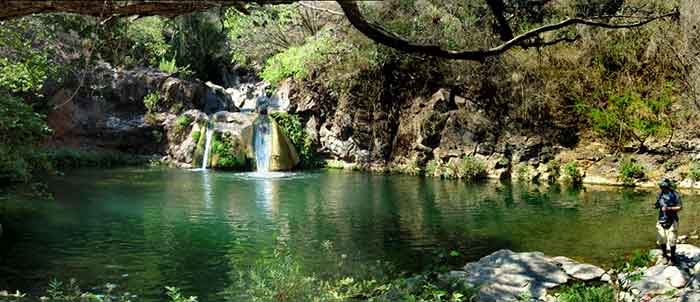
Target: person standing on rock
column 669, row 204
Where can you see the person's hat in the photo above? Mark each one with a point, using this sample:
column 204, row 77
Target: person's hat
column 665, row 184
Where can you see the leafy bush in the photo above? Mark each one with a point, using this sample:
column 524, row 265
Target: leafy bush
column 149, row 42
column 581, row 293
column 572, row 173
column 182, row 123
column 151, row 101
column 296, row 62
column 471, row 169
column 22, row 130
column 468, row 168
column 694, row 171
column 631, row 117
column 228, row 153
column 431, row 168
column 292, row 128
column 630, row 171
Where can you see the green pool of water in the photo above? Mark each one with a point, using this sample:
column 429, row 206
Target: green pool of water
column 146, row 228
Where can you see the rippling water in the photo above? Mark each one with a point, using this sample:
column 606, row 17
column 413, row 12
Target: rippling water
column 146, row 228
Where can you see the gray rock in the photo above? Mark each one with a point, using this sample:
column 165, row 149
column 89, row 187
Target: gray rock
column 689, row 296
column 506, row 275
column 675, row 276
column 646, row 281
column 578, row 270
column 689, row 251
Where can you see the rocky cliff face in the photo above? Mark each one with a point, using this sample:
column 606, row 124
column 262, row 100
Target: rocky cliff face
column 108, row 110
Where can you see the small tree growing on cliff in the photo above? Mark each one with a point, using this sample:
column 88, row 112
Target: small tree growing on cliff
column 628, row 118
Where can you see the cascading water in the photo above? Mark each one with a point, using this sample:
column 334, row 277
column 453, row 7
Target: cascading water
column 207, row 146
column 262, row 139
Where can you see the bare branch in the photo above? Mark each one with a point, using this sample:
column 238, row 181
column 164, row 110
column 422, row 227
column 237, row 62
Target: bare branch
column 166, row 8
column 379, row 35
column 330, row 11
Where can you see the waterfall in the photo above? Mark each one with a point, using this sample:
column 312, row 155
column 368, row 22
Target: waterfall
column 207, row 146
column 262, row 139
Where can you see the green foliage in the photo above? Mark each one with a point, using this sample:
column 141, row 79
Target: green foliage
column 199, row 42
column 431, row 168
column 58, row 291
column 23, row 68
column 175, row 296
column 228, row 154
column 632, row 117
column 638, row 259
column 297, row 61
column 195, row 135
column 292, row 128
column 522, row 171
column 694, row 171
column 471, row 169
column 629, row 171
column 280, row 277
column 572, row 173
column 151, row 101
column 580, row 292
column 169, row 66
column 21, row 132
column 182, row 123
column 468, row 168
column 149, row 44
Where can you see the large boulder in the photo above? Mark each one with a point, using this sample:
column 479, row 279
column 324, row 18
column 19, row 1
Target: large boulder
column 507, row 276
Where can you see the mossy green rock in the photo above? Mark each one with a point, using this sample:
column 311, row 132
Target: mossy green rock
column 283, row 156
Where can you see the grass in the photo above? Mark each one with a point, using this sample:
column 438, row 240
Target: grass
column 581, row 293
column 638, row 259
column 282, row 278
column 151, row 101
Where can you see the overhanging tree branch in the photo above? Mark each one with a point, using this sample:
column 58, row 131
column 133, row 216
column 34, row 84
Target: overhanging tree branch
column 167, row 8
column 380, row 35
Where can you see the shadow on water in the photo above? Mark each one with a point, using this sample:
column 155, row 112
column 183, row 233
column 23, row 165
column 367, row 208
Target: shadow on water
column 147, row 228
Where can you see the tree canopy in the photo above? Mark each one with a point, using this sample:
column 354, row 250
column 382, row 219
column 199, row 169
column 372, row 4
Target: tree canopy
column 599, row 13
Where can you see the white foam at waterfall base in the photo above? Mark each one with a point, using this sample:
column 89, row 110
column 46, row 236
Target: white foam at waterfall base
column 262, row 144
column 207, row 146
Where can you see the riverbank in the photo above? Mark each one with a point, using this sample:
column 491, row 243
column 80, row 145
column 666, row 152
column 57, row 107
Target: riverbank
column 502, row 276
